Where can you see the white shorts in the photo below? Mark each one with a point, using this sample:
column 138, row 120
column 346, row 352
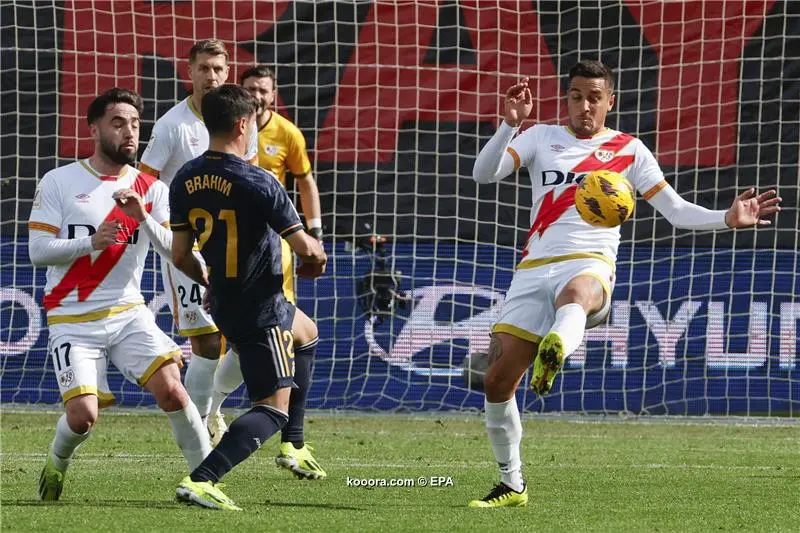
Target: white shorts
column 185, row 299
column 528, row 311
column 131, row 340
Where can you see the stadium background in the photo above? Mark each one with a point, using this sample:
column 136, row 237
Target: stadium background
column 395, row 101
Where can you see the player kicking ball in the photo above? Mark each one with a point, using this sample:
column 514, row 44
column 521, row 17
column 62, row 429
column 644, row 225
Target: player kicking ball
column 91, row 224
column 238, row 213
column 563, row 284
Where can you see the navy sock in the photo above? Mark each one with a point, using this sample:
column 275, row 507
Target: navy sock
column 303, row 368
column 244, row 436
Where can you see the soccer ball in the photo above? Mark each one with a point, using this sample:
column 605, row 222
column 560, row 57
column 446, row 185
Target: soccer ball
column 474, row 368
column 605, row 199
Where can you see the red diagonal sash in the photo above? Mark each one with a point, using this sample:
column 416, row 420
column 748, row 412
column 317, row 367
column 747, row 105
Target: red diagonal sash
column 86, row 275
column 616, row 163
column 550, row 211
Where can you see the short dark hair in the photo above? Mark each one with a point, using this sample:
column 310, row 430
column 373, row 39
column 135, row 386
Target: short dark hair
column 117, row 95
column 589, row 68
column 212, row 47
column 224, row 106
column 259, row 71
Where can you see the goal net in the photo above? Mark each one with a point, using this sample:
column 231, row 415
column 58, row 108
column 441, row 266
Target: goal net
column 395, row 101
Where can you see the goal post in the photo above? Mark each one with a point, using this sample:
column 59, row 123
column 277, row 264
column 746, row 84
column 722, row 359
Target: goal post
column 395, row 100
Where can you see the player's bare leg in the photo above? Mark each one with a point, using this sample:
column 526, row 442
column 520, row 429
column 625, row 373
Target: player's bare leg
column 199, row 378
column 509, row 358
column 295, row 455
column 581, row 297
column 71, row 430
column 187, row 426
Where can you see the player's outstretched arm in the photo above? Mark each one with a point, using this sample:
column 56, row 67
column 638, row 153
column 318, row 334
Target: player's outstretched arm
column 310, row 252
column 494, row 162
column 184, row 259
column 746, row 211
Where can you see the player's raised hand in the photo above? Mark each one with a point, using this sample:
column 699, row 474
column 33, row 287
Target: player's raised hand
column 747, row 209
column 131, row 203
column 106, row 234
column 519, row 103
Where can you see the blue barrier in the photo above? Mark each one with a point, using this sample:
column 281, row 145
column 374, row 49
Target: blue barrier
column 703, row 332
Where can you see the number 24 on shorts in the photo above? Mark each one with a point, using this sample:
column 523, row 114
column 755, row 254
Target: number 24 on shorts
column 194, row 295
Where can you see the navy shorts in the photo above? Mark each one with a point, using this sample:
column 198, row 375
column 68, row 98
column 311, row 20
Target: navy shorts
column 267, row 361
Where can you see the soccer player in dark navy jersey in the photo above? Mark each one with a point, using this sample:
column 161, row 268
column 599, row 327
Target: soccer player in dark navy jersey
column 237, row 213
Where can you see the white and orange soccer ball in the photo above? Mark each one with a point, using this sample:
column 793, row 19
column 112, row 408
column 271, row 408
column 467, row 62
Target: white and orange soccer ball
column 605, row 199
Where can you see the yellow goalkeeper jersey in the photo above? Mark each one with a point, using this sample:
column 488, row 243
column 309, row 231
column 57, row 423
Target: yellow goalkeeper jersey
column 281, row 146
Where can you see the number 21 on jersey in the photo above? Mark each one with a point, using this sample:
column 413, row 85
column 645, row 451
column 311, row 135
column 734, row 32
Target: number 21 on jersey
column 228, row 217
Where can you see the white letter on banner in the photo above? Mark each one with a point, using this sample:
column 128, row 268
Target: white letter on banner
column 667, row 333
column 616, row 333
column 790, row 314
column 756, row 354
column 34, row 326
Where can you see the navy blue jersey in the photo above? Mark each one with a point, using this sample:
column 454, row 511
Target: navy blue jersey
column 238, row 212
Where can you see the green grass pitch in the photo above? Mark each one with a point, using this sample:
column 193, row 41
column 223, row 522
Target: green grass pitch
column 589, row 475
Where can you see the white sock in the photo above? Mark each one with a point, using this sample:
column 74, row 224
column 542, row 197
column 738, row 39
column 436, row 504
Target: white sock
column 190, row 434
column 227, row 379
column 198, row 382
column 505, row 432
column 65, row 443
column 570, row 325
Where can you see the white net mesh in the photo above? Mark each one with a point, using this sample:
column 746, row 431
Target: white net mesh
column 395, row 101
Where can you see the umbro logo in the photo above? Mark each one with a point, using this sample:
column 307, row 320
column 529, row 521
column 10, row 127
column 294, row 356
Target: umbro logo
column 194, row 141
column 557, row 148
column 82, row 197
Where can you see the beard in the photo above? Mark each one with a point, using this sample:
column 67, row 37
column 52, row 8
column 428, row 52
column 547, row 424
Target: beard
column 117, row 154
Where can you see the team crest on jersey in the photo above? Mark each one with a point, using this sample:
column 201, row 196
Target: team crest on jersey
column 557, row 148
column 66, row 378
column 271, row 149
column 191, row 316
column 604, row 156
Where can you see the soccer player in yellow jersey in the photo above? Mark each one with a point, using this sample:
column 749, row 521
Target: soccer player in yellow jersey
column 281, row 147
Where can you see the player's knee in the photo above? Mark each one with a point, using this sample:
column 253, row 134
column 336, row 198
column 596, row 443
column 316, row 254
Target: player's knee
column 207, row 346
column 583, row 290
column 497, row 385
column 171, row 395
column 81, row 416
column 165, row 384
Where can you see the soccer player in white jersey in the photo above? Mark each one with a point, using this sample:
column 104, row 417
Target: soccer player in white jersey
column 91, row 224
column 563, row 283
column 178, row 137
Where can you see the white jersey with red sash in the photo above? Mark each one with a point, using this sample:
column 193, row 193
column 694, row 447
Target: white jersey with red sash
column 557, row 160
column 71, row 202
